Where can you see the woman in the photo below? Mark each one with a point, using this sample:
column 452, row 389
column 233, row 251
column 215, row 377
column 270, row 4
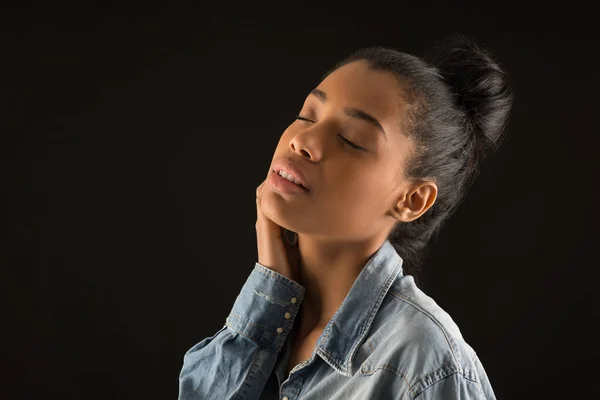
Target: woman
column 381, row 153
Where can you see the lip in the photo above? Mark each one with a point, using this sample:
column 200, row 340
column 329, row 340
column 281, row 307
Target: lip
column 282, row 185
column 293, row 168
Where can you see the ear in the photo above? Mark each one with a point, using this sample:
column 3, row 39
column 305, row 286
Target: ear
column 414, row 201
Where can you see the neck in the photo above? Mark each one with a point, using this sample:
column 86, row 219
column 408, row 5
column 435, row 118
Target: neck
column 328, row 271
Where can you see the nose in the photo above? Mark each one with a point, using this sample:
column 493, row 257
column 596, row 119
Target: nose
column 308, row 145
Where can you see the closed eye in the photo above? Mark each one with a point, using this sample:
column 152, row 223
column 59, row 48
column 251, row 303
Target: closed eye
column 346, row 141
column 303, row 118
column 350, row 144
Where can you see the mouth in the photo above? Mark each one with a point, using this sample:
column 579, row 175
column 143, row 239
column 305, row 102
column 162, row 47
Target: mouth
column 289, row 176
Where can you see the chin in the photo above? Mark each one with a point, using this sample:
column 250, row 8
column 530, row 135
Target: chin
column 278, row 211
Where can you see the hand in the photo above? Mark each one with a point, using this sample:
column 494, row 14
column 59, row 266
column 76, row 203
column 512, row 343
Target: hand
column 274, row 252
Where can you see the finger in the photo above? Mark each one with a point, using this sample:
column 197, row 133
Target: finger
column 259, row 188
column 258, row 197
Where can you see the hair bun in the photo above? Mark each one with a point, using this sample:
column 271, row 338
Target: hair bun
column 480, row 88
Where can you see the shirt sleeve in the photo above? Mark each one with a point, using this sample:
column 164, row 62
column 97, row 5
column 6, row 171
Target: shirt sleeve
column 237, row 361
column 454, row 387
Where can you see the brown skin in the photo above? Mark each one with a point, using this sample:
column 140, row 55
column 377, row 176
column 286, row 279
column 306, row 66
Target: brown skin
column 355, row 199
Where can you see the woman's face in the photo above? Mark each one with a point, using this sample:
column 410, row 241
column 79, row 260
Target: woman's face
column 354, row 192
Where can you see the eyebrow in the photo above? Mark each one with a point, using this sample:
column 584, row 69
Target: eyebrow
column 352, row 112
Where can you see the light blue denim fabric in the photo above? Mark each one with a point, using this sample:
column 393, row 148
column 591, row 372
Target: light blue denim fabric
column 388, row 340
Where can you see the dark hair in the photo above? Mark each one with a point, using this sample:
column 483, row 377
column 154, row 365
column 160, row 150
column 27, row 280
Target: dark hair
column 459, row 103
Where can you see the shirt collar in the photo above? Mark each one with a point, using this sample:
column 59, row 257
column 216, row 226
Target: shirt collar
column 349, row 326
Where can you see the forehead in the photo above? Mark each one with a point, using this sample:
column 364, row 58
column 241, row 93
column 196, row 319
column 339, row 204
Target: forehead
column 357, row 85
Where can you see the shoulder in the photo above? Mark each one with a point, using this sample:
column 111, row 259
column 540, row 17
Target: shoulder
column 415, row 339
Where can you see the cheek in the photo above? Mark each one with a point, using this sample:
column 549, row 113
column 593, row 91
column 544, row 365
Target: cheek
column 358, row 192
column 361, row 179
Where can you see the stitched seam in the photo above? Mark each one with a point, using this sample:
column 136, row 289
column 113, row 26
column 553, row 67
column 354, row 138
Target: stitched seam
column 245, row 321
column 448, row 376
column 433, row 383
column 270, row 298
column 455, row 370
column 432, row 318
column 478, row 384
column 332, row 359
column 242, row 333
column 279, row 278
column 469, row 379
column 370, row 346
column 246, row 335
column 395, row 371
column 367, row 325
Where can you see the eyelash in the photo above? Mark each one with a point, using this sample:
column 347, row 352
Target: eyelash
column 346, row 141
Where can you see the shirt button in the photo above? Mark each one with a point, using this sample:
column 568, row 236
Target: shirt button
column 279, row 330
column 287, row 315
column 285, row 398
column 293, row 300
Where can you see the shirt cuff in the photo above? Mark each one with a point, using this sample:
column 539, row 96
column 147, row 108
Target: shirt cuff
column 266, row 307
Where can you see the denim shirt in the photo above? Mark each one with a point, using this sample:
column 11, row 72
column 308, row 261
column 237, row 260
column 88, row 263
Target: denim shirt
column 387, row 340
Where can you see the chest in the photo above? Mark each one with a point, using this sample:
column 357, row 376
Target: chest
column 302, row 350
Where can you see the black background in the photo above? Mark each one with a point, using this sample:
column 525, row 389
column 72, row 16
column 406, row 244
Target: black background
column 134, row 139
